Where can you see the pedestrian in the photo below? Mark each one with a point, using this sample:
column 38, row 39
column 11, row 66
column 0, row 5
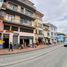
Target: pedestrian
column 10, row 47
column 49, row 43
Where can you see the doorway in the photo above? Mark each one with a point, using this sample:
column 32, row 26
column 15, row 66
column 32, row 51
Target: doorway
column 26, row 41
column 40, row 40
column 6, row 41
column 21, row 41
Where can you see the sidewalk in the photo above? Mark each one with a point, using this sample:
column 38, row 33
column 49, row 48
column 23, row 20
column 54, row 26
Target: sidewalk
column 16, row 51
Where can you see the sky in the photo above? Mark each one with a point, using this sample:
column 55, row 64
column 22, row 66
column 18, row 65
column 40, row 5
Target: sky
column 55, row 12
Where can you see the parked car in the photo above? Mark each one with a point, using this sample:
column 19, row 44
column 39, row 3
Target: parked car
column 65, row 44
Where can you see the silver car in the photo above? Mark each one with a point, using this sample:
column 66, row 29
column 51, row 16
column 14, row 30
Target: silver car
column 65, row 44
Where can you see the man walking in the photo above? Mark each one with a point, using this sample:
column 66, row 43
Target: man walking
column 10, row 47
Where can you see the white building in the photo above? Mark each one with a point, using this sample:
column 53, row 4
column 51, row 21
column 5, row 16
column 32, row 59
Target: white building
column 52, row 32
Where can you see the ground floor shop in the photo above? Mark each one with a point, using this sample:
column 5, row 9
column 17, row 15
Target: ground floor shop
column 47, row 41
column 26, row 41
column 40, row 40
column 53, row 40
column 16, row 40
column 17, row 35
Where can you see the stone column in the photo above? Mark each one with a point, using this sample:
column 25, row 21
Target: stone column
column 2, row 36
column 11, row 38
column 18, row 39
column 31, row 42
column 19, row 36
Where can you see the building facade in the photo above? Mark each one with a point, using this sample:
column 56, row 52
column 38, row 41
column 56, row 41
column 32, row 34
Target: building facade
column 45, row 33
column 52, row 33
column 61, row 37
column 16, row 22
column 38, row 28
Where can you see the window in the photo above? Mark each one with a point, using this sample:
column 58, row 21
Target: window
column 10, row 17
column 25, row 21
column 1, row 13
column 22, row 9
column 26, row 30
column 6, row 27
column 48, row 34
column 28, row 12
column 13, row 6
column 52, row 33
column 40, row 32
column 14, row 28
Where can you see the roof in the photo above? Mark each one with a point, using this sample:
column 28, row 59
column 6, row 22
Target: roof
column 45, row 25
column 51, row 25
column 59, row 33
column 39, row 13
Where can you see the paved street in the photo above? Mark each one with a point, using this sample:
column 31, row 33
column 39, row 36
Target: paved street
column 55, row 56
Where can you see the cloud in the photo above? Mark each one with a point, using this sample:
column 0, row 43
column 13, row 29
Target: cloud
column 55, row 11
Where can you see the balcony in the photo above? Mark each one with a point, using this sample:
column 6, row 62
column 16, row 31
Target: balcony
column 28, row 3
column 22, row 12
column 2, row 14
column 28, row 23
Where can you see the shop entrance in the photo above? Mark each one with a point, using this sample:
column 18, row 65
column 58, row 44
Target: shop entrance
column 40, row 40
column 26, row 41
column 6, row 41
column 21, row 41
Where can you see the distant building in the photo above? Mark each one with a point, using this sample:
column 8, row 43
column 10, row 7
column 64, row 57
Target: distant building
column 60, row 37
column 52, row 32
column 45, row 33
column 38, row 31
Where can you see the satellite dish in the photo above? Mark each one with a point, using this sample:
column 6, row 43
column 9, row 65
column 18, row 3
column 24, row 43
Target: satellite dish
column 1, row 3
